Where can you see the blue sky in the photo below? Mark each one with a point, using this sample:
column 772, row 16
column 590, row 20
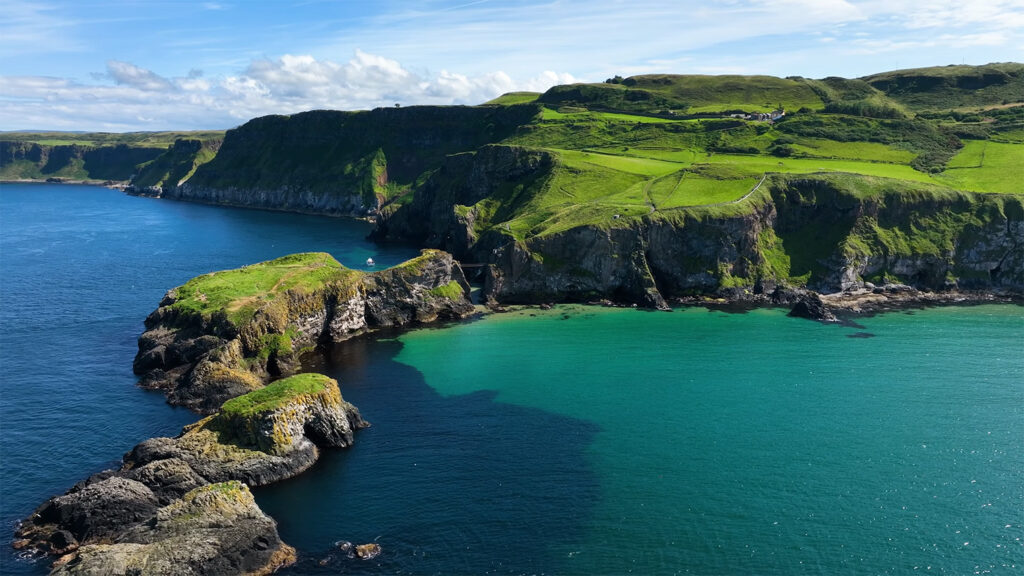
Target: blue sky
column 178, row 64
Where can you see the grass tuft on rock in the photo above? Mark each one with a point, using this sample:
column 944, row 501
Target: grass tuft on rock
column 275, row 395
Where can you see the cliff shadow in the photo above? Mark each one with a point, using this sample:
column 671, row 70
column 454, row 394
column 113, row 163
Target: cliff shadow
column 445, row 484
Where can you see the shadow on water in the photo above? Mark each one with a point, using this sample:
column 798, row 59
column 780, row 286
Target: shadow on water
column 444, row 484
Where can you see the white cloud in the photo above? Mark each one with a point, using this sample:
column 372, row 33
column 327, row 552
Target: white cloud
column 466, row 53
column 129, row 97
column 127, row 74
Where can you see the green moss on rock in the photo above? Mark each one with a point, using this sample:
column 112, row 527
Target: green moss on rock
column 452, row 290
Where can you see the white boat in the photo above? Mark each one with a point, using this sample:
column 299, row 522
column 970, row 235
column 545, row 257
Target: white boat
column 370, row 262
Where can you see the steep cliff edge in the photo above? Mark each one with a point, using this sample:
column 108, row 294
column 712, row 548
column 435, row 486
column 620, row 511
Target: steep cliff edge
column 182, row 505
column 227, row 333
column 20, row 160
column 826, row 233
column 823, row 232
column 332, row 162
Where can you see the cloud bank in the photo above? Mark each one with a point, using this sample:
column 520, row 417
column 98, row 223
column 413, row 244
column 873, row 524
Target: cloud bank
column 256, row 58
column 128, row 97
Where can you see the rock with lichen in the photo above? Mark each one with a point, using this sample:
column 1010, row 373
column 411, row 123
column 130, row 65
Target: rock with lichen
column 213, row 529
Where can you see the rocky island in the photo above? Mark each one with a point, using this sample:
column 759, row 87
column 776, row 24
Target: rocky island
column 182, row 505
column 226, row 333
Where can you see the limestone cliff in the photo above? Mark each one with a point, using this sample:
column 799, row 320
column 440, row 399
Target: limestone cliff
column 208, row 342
column 182, row 505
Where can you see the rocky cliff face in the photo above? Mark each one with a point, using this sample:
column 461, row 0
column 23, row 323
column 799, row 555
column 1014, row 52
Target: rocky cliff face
column 330, row 162
column 179, row 505
column 441, row 214
column 827, row 233
column 36, row 161
column 202, row 360
column 930, row 240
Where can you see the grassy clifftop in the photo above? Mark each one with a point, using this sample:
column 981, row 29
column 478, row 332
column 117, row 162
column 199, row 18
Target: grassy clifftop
column 693, row 94
column 276, row 394
column 240, row 292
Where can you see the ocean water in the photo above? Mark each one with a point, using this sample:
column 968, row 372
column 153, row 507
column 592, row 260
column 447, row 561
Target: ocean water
column 80, row 268
column 573, row 441
column 607, row 441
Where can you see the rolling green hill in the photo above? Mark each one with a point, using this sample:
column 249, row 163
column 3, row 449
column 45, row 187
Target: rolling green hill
column 953, row 87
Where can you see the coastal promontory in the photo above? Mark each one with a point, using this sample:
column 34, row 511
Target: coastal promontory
column 227, row 344
column 227, row 333
column 182, row 505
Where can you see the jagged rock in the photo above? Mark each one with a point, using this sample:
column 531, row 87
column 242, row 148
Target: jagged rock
column 212, row 530
column 368, row 551
column 809, row 305
column 98, row 511
column 169, row 478
column 260, row 438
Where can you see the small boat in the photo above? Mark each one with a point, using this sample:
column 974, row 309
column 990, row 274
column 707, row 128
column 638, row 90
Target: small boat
column 370, row 262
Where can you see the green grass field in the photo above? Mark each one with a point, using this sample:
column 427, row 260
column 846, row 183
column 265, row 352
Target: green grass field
column 761, row 164
column 867, row 151
column 702, row 186
column 650, row 167
column 987, row 167
column 240, row 292
column 511, row 98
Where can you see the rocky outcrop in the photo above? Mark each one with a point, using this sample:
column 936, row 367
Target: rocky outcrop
column 182, row 505
column 184, row 501
column 201, row 359
column 215, row 529
column 267, row 435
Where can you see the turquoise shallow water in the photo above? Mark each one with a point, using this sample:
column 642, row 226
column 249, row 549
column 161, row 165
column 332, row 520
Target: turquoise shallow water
column 757, row 443
column 575, row 441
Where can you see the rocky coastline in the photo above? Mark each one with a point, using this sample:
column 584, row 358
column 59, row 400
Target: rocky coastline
column 182, row 505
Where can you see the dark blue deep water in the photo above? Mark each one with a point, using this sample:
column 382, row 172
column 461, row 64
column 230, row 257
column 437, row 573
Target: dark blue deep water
column 80, row 268
column 573, row 441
